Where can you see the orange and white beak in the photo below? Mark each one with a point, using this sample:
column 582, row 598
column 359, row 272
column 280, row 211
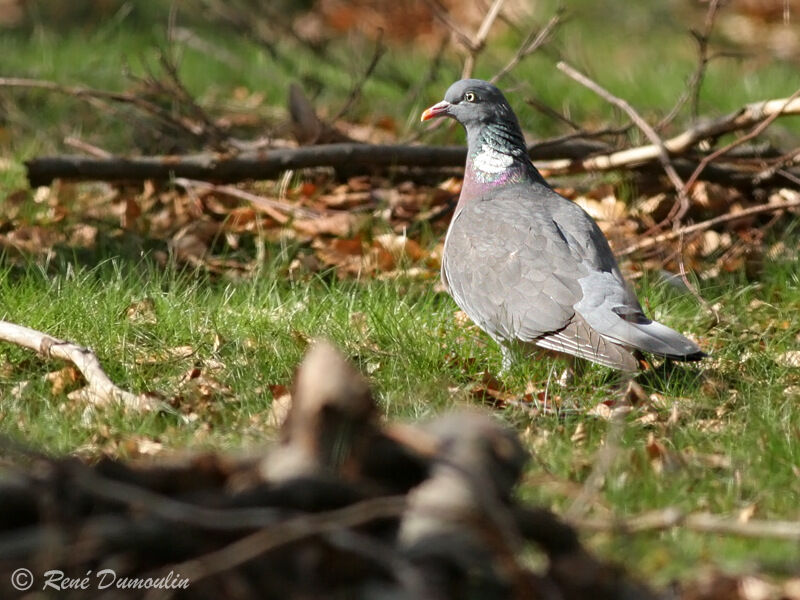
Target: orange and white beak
column 436, row 110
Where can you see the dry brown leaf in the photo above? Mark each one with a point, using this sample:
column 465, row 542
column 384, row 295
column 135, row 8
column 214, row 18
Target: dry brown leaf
column 192, row 241
column 279, row 408
column 634, row 393
column 241, row 219
column 400, row 247
column 166, row 355
column 662, row 460
column 343, row 224
column 32, row 240
column 138, row 446
column 747, row 513
column 755, row 588
column 791, row 589
column 607, row 208
column 579, row 435
column 344, row 199
column 142, row 312
column 63, row 379
column 601, row 410
column 83, row 236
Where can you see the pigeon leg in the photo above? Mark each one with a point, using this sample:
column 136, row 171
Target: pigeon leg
column 575, row 370
column 508, row 359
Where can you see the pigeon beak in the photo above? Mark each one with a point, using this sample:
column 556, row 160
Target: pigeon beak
column 436, row 110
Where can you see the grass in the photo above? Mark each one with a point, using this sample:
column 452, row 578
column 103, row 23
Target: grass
column 735, row 434
column 733, row 440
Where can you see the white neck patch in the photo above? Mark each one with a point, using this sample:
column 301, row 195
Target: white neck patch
column 490, row 160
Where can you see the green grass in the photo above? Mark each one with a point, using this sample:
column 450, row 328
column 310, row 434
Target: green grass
column 421, row 362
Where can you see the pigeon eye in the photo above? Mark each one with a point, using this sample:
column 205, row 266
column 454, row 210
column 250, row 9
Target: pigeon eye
column 469, row 97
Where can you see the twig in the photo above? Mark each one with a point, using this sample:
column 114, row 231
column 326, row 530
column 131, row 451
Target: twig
column 552, row 113
column 700, row 522
column 707, row 306
column 649, row 242
column 702, row 51
column 214, row 134
column 86, row 147
column 747, row 116
column 663, row 155
column 696, row 81
column 786, row 160
column 191, row 39
column 534, row 41
column 440, row 13
column 793, row 178
column 749, row 136
column 355, row 92
column 480, row 38
column 274, row 208
column 102, row 390
column 90, row 94
column 280, row 534
column 413, row 95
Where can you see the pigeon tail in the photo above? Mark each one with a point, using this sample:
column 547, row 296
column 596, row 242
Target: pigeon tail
column 655, row 338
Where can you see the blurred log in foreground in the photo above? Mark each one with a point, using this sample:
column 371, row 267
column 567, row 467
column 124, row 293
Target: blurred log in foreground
column 344, row 506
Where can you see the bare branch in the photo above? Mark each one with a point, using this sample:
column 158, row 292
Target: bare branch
column 747, row 116
column 86, row 147
column 274, row 208
column 749, row 136
column 91, row 96
column 480, row 38
column 696, row 81
column 266, row 164
column 663, row 155
column 102, row 390
column 355, row 92
column 534, row 41
column 440, row 13
column 649, row 242
column 286, row 532
column 702, row 522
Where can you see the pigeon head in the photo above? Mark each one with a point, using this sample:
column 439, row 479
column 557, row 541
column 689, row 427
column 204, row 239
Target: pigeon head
column 473, row 103
column 497, row 150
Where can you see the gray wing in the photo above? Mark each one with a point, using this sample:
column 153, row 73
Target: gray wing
column 608, row 305
column 509, row 267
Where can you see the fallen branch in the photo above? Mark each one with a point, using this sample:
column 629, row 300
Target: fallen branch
column 747, row 116
column 566, row 157
column 649, row 242
column 700, row 522
column 268, row 164
column 757, row 130
column 102, row 390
